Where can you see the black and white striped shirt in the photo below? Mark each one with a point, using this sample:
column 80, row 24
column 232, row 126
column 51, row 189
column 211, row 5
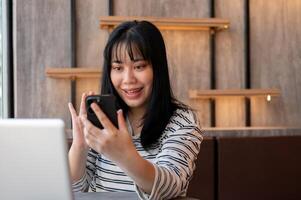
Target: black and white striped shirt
column 173, row 158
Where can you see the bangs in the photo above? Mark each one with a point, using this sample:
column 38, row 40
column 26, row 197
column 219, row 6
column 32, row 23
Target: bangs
column 131, row 45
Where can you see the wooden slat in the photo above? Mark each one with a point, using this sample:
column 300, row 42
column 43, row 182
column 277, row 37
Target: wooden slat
column 90, row 42
column 230, row 62
column 169, row 23
column 41, row 38
column 73, row 73
column 211, row 94
column 275, row 60
column 230, row 111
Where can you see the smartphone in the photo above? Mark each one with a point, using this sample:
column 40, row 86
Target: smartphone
column 108, row 105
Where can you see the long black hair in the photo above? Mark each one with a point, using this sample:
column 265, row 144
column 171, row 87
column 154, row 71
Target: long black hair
column 145, row 38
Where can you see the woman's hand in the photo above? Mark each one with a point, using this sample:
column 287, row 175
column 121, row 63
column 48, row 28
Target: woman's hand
column 79, row 148
column 112, row 142
column 77, row 125
column 116, row 144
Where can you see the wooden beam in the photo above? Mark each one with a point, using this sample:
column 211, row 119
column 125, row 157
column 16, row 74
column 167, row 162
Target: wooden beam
column 214, row 24
column 72, row 73
column 213, row 94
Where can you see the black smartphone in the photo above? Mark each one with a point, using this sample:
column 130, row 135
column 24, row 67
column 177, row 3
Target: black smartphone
column 107, row 103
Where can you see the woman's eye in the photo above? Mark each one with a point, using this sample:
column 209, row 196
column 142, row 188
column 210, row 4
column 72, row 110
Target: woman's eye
column 139, row 67
column 116, row 68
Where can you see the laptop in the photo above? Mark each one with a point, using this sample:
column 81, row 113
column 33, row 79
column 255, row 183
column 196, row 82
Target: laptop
column 34, row 162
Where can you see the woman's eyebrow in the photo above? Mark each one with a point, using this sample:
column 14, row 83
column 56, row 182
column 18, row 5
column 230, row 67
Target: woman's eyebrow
column 116, row 61
column 134, row 60
column 138, row 59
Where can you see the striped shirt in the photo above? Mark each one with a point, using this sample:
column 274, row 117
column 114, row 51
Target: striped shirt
column 173, row 158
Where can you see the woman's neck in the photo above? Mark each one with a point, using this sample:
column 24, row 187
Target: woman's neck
column 135, row 116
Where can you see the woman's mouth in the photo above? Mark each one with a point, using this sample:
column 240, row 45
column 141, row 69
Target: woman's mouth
column 132, row 93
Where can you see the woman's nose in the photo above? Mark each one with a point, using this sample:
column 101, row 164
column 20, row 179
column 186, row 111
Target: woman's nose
column 129, row 76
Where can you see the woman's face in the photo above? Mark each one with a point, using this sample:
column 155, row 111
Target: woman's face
column 132, row 79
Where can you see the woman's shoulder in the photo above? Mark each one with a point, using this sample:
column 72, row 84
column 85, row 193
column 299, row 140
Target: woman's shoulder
column 183, row 123
column 183, row 117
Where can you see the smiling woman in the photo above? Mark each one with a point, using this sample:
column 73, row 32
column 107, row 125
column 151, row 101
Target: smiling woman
column 153, row 150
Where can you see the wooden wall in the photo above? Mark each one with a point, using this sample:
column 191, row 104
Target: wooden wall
column 90, row 41
column 42, row 36
column 230, row 63
column 276, row 60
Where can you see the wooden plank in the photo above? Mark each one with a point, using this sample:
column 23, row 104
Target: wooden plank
column 230, row 112
column 90, row 41
column 73, row 73
column 275, row 59
column 223, row 93
column 187, row 51
column 166, row 23
column 162, row 8
column 202, row 109
column 86, row 85
column 41, row 38
column 230, row 63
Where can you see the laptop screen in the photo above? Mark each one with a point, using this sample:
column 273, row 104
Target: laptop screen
column 34, row 162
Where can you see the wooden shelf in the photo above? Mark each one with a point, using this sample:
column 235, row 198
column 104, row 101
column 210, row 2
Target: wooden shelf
column 213, row 24
column 213, row 94
column 72, row 73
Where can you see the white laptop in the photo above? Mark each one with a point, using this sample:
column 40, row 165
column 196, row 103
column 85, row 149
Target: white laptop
column 33, row 160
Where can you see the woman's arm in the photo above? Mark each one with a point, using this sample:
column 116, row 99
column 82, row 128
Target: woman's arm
column 140, row 170
column 77, row 162
column 85, row 167
column 175, row 163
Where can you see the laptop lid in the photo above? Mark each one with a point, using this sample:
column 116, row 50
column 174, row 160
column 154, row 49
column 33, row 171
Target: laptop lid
column 34, row 162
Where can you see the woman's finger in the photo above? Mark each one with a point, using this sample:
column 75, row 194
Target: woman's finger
column 88, row 138
column 90, row 128
column 72, row 111
column 104, row 120
column 83, row 110
column 121, row 121
column 83, row 102
column 73, row 115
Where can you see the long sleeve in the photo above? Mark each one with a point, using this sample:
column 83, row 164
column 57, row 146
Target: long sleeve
column 175, row 164
column 83, row 184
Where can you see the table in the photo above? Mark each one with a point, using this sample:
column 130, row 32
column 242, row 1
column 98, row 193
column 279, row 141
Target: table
column 113, row 196
column 106, row 195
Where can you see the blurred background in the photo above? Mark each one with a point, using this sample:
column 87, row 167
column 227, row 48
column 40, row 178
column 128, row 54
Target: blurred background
column 237, row 62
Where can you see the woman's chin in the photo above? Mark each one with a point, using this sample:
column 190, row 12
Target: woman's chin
column 134, row 104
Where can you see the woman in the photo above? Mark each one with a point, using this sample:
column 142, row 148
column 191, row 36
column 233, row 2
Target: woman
column 154, row 148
